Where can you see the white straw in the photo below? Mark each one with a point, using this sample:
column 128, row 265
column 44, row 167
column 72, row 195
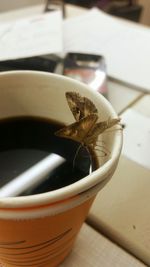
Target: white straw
column 33, row 176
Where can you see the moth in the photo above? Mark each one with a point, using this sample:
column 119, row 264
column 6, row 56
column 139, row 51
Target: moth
column 85, row 129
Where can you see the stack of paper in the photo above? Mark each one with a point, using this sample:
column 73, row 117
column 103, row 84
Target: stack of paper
column 125, row 45
column 38, row 35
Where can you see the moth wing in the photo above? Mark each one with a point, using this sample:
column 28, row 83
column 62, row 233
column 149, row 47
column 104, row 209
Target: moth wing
column 89, row 107
column 80, row 106
column 79, row 130
column 99, row 128
column 74, row 102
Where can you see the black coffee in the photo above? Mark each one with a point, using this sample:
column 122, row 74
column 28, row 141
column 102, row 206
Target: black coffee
column 27, row 140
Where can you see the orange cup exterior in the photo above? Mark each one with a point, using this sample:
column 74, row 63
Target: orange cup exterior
column 44, row 241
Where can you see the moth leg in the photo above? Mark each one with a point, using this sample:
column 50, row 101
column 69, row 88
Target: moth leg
column 103, row 146
column 104, row 153
column 76, row 153
column 88, row 156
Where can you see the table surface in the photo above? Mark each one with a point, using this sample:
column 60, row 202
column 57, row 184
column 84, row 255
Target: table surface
column 117, row 230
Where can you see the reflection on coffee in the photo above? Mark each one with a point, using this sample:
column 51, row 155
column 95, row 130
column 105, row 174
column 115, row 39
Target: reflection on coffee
column 27, row 140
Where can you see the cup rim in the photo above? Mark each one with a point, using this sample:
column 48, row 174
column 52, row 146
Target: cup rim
column 85, row 183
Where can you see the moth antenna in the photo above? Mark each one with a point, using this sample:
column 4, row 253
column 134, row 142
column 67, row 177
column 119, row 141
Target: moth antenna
column 109, row 131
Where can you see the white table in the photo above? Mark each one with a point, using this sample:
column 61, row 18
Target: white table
column 112, row 220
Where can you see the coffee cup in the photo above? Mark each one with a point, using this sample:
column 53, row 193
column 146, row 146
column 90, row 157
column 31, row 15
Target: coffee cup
column 40, row 230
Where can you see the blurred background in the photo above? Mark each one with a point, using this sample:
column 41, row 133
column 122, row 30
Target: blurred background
column 136, row 10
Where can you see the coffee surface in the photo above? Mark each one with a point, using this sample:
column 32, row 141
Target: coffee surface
column 24, row 141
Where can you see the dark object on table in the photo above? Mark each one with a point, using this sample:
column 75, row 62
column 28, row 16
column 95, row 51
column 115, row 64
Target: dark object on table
column 87, row 68
column 52, row 5
column 128, row 11
column 32, row 63
column 83, row 3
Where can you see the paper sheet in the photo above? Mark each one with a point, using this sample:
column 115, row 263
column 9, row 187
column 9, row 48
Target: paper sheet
column 136, row 145
column 39, row 35
column 126, row 46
